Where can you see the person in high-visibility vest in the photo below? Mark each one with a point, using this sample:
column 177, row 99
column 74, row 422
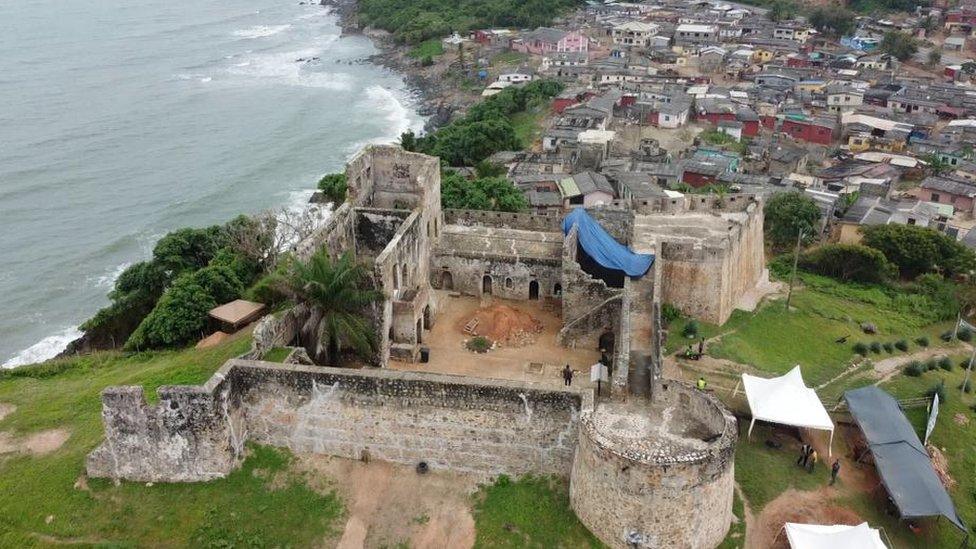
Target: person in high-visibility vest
column 701, row 383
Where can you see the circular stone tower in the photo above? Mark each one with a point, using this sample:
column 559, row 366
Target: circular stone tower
column 656, row 474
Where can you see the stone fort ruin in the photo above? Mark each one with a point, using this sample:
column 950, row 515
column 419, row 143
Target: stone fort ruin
column 651, row 466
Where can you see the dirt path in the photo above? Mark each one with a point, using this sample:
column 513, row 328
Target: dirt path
column 748, row 517
column 389, row 505
column 888, row 367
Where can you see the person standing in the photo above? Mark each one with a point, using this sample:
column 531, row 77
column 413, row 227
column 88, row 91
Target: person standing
column 567, row 376
column 834, row 469
column 804, row 456
column 812, row 461
column 701, row 347
column 701, row 383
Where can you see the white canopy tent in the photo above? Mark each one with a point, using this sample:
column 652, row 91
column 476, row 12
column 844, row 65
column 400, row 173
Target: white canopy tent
column 786, row 400
column 836, row 536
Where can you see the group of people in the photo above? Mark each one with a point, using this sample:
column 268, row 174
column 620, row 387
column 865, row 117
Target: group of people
column 808, row 459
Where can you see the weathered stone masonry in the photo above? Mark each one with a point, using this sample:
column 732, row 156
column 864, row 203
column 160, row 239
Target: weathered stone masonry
column 484, row 427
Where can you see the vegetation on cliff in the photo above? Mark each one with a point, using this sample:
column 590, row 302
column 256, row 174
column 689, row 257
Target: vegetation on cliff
column 414, row 21
column 487, row 127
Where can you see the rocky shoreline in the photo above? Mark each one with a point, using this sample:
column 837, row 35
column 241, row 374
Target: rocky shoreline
column 437, row 101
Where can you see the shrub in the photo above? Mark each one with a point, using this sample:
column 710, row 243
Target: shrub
column 914, row 369
column 922, row 341
column 691, row 329
column 964, row 363
column 875, row 347
column 848, row 262
column 888, row 347
column 860, row 348
column 902, row 345
column 945, row 363
column 937, row 389
column 788, row 213
column 931, row 364
column 966, row 387
column 946, row 336
column 965, row 334
column 670, row 313
column 916, row 250
column 479, row 344
column 333, row 187
column 426, row 61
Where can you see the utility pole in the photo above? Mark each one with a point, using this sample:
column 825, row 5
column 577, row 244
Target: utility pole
column 969, row 370
column 796, row 260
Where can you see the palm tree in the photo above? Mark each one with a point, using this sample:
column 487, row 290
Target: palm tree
column 337, row 296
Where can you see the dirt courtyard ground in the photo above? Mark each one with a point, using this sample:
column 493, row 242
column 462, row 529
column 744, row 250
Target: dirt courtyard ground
column 541, row 361
column 389, row 505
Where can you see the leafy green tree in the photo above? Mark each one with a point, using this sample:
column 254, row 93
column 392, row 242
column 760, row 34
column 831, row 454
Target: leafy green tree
column 916, row 250
column 490, row 193
column 781, row 10
column 899, row 45
column 787, row 214
column 179, row 317
column 408, row 140
column 848, row 262
column 833, row 20
column 334, row 187
column 188, row 249
column 337, row 294
column 934, row 57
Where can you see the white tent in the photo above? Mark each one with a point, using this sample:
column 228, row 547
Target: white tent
column 837, row 536
column 786, row 400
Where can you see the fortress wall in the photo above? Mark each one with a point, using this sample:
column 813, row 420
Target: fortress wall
column 484, row 427
column 504, row 220
column 632, row 497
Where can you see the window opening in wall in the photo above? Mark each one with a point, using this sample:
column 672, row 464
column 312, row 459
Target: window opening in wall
column 509, row 282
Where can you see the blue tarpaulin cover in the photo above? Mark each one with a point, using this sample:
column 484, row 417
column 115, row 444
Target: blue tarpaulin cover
column 599, row 245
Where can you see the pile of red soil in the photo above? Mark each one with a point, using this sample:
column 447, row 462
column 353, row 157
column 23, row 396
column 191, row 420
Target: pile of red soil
column 505, row 325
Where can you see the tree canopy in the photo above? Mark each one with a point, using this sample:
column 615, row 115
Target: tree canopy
column 487, row 193
column 337, row 294
column 848, row 262
column 899, row 45
column 917, row 250
column 834, row 21
column 413, row 21
column 333, row 186
column 486, row 129
column 788, row 213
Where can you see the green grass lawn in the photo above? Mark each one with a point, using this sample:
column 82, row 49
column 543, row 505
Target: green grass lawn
column 736, row 537
column 276, row 354
column 529, row 512
column 774, row 340
column 763, row 473
column 509, row 58
column 432, row 48
column 40, row 503
column 528, row 125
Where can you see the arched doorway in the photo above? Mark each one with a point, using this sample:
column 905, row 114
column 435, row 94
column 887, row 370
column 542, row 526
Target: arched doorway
column 557, row 290
column 447, row 281
column 420, row 331
column 486, row 285
column 428, row 321
column 534, row 289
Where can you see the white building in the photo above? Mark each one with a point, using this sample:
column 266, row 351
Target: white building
column 634, row 33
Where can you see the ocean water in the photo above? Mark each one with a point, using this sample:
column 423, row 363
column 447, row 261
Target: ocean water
column 121, row 121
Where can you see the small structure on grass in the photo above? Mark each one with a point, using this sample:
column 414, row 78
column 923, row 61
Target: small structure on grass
column 235, row 315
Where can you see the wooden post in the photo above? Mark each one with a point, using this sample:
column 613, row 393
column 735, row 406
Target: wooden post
column 796, row 260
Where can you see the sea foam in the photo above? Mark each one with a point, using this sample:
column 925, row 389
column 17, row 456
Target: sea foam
column 260, row 31
column 45, row 349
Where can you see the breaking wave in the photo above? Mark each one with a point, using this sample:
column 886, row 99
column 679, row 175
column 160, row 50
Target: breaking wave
column 260, row 31
column 45, row 349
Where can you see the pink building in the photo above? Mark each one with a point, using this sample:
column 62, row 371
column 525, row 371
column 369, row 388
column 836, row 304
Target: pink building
column 547, row 40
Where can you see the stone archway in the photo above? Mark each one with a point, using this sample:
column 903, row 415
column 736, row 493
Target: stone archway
column 447, row 280
column 486, row 285
column 534, row 289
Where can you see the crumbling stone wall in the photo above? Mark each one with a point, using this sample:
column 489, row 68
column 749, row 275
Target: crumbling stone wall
column 518, row 264
column 484, row 427
column 336, row 235
column 194, row 433
column 660, row 498
column 504, row 220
